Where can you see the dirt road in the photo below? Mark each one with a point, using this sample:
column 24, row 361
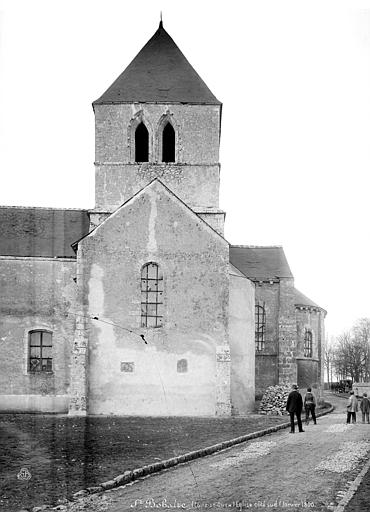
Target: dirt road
column 282, row 471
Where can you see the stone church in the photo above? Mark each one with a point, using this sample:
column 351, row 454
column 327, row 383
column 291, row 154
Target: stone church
column 140, row 306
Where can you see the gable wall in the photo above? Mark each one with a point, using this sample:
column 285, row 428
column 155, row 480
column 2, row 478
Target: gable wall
column 194, row 260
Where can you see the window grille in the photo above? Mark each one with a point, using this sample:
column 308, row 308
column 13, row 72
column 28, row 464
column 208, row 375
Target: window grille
column 40, row 343
column 182, row 366
column 307, row 346
column 168, row 143
column 151, row 296
column 260, row 326
column 141, row 143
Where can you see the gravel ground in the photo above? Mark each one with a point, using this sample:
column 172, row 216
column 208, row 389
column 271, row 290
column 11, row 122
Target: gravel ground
column 279, row 472
column 361, row 500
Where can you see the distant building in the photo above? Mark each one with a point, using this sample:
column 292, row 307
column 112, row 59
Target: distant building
column 140, row 306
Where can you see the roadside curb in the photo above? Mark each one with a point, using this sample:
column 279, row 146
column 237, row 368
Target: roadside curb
column 130, row 476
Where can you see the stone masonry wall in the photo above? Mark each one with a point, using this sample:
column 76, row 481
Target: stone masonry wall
column 36, row 293
column 194, row 177
column 127, row 376
column 287, row 365
column 266, row 369
column 310, row 370
column 267, row 294
column 241, row 334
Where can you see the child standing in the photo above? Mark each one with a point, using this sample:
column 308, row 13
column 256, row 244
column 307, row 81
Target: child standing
column 310, row 405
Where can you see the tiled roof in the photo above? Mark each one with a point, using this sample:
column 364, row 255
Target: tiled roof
column 266, row 262
column 302, row 300
column 159, row 73
column 233, row 271
column 41, row 231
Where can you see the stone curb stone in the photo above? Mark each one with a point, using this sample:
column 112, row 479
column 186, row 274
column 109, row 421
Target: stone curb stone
column 95, row 489
column 123, row 479
column 80, row 494
column 109, row 484
column 130, row 476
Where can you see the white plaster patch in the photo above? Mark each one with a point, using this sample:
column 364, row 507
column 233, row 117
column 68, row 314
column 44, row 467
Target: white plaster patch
column 96, row 290
column 339, row 427
column 347, row 458
column 253, row 451
column 152, row 242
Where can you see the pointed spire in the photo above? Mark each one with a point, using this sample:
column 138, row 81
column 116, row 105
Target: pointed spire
column 159, row 73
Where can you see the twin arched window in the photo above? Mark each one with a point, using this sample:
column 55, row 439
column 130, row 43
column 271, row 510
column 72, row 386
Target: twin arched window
column 151, row 296
column 142, row 143
column 168, row 143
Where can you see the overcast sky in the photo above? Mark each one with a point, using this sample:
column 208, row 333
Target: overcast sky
column 294, row 80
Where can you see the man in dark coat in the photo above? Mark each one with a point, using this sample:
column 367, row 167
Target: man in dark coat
column 294, row 407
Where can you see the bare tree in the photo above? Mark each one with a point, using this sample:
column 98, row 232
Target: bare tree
column 351, row 354
column 329, row 359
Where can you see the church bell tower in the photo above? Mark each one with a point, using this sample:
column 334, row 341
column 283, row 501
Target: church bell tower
column 158, row 120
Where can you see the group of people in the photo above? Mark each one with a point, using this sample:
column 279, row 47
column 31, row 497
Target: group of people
column 295, row 404
column 352, row 407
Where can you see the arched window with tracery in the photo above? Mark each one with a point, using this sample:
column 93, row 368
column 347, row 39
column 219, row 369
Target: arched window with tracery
column 307, row 345
column 141, row 143
column 260, row 326
column 40, row 351
column 168, row 143
column 151, row 296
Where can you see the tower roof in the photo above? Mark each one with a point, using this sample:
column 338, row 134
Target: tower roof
column 159, row 73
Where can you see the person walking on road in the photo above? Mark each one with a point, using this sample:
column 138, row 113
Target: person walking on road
column 365, row 408
column 352, row 407
column 310, row 405
column 294, row 407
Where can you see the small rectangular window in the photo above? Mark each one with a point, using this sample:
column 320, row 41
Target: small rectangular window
column 40, row 351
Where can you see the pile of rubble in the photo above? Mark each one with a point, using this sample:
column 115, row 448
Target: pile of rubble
column 274, row 400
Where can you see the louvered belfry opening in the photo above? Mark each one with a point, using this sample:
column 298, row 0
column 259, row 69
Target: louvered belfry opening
column 168, row 143
column 141, row 143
